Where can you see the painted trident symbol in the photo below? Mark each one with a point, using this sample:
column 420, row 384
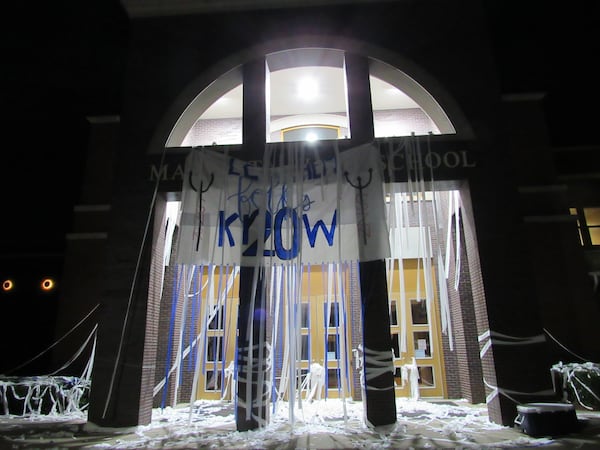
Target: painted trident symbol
column 360, row 188
column 200, row 191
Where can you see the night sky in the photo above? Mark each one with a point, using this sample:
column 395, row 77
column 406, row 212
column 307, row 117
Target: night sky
column 64, row 61
column 60, row 64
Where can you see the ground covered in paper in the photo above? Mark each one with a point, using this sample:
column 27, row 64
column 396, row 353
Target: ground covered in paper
column 318, row 424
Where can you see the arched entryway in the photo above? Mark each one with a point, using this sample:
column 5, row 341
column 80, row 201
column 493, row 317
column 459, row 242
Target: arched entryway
column 423, row 213
column 417, row 169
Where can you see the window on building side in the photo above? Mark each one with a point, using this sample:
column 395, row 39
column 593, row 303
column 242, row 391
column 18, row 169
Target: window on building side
column 396, row 345
column 422, row 344
column 592, row 220
column 418, row 310
column 213, row 380
column 588, row 225
column 426, row 378
column 393, row 313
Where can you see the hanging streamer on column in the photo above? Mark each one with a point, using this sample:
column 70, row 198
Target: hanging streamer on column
column 252, row 353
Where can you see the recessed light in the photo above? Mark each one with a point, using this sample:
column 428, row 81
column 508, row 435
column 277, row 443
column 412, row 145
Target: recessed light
column 311, row 136
column 307, row 88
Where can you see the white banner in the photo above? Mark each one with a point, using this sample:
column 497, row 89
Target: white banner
column 316, row 211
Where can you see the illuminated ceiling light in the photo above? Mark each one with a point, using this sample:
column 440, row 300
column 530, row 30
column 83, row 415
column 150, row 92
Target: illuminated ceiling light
column 8, row 285
column 47, row 284
column 311, row 136
column 307, row 88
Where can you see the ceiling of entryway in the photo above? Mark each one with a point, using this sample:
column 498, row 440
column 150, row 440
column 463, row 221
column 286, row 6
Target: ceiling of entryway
column 330, row 95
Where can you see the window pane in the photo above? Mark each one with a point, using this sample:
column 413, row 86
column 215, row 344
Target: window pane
column 333, row 378
column 301, row 377
column 333, row 314
column 418, row 310
column 305, row 315
column 426, row 376
column 332, row 347
column 396, row 345
column 305, row 346
column 220, row 124
column 310, row 133
column 398, row 376
column 592, row 216
column 213, row 380
column 395, row 113
column 216, row 323
column 393, row 313
column 307, row 88
column 214, row 350
column 595, row 235
column 422, row 344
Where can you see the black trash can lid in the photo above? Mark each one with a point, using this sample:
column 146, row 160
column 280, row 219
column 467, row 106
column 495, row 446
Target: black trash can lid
column 545, row 407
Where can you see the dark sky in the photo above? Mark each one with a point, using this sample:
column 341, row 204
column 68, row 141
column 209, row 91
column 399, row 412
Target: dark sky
column 64, row 61
column 552, row 47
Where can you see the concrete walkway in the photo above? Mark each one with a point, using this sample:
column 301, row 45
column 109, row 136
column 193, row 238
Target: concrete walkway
column 421, row 425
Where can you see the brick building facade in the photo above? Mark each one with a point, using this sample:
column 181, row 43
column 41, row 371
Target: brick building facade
column 524, row 272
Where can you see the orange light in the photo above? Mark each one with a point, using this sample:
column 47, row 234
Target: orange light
column 8, row 285
column 47, row 284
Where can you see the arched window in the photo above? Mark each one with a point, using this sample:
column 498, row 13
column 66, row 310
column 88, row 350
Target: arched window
column 306, row 97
